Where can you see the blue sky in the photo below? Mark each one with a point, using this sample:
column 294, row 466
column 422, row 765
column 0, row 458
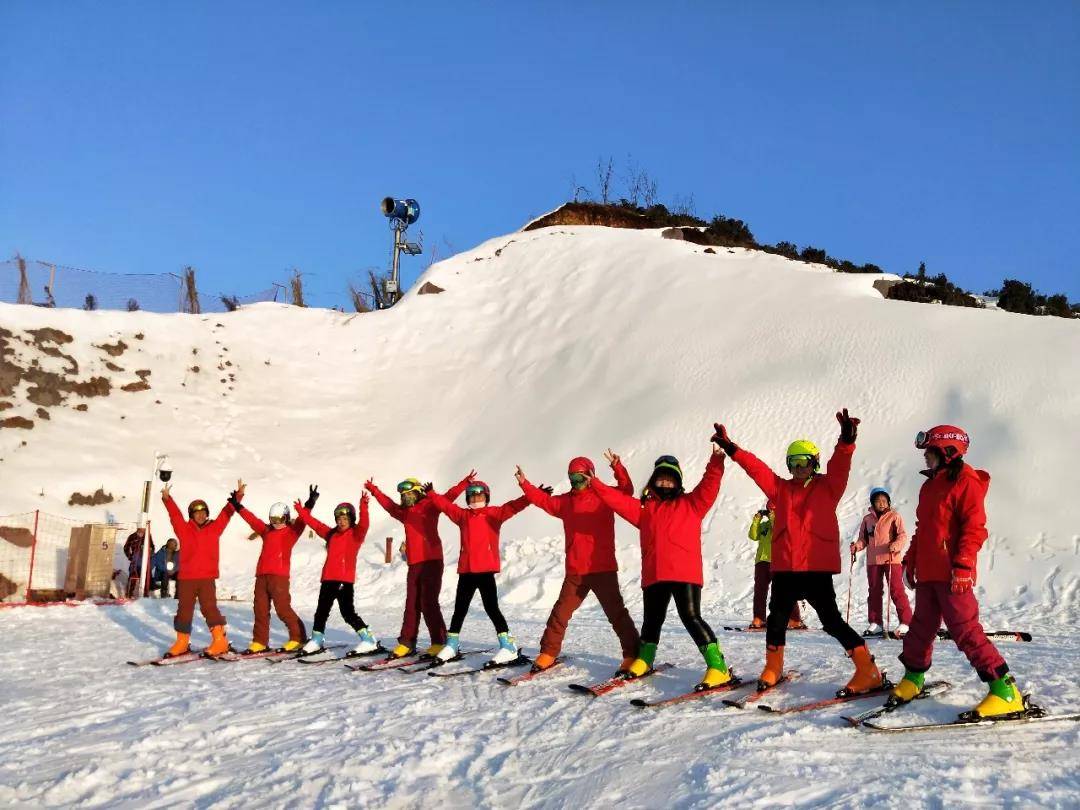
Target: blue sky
column 245, row 139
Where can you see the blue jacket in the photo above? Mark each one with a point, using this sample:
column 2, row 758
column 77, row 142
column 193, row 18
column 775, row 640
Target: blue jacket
column 158, row 563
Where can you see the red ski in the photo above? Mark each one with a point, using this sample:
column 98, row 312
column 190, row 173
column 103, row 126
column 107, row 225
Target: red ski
column 884, row 689
column 616, row 681
column 528, row 676
column 734, row 683
column 758, row 694
column 170, row 660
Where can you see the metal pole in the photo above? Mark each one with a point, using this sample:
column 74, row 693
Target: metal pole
column 398, row 231
column 33, row 553
column 144, row 513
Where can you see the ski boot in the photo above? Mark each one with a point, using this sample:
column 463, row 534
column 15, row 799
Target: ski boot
column 758, row 623
column 624, row 667
column 433, row 650
column 219, row 644
column 644, row 661
column 774, row 668
column 180, row 646
column 400, row 651
column 314, row 644
column 254, row 647
column 1003, row 700
column 451, row 649
column 716, row 672
column 873, row 630
column 368, row 642
column 543, row 661
column 900, row 631
column 507, row 651
column 867, row 676
column 796, row 624
column 909, row 688
column 292, row 645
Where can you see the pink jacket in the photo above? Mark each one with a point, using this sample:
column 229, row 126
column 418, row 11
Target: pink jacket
column 884, row 538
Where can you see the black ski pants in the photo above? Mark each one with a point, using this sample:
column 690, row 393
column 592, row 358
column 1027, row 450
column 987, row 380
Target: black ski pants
column 816, row 588
column 469, row 584
column 687, row 598
column 342, row 593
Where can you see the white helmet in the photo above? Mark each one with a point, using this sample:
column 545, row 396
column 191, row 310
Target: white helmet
column 280, row 510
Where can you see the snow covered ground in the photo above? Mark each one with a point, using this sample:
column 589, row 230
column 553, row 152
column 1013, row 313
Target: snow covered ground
column 545, row 345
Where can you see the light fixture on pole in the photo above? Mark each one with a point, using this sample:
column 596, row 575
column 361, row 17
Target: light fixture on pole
column 162, row 470
column 402, row 214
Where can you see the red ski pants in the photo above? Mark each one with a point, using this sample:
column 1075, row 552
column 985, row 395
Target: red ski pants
column 876, row 575
column 204, row 591
column 271, row 588
column 934, row 603
column 422, row 587
column 575, row 588
column 762, row 578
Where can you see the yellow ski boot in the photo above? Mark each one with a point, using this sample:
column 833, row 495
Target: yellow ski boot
column 400, row 651
column 255, row 647
column 292, row 646
column 716, row 672
column 1003, row 699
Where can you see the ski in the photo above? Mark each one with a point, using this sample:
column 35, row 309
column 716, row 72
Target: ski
column 929, row 690
column 1033, row 714
column 528, row 676
column 299, row 654
column 338, row 659
column 423, row 665
column 884, row 689
column 169, row 660
column 734, row 683
column 1016, row 635
column 390, row 663
column 521, row 660
column 734, row 629
column 758, row 694
column 616, row 681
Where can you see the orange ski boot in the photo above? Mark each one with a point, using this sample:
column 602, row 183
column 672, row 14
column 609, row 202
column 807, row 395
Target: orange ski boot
column 543, row 661
column 220, row 644
column 180, row 646
column 627, row 663
column 867, row 676
column 774, row 667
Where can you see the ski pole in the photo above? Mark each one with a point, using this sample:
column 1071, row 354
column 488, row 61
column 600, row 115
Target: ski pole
column 888, row 598
column 851, row 568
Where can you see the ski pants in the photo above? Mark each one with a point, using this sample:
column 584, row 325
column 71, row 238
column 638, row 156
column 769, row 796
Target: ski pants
column 422, row 587
column 341, row 592
column 575, row 588
column 935, row 602
column 203, row 591
column 762, row 578
column 270, row 588
column 469, row 584
column 876, row 576
column 687, row 598
column 816, row 588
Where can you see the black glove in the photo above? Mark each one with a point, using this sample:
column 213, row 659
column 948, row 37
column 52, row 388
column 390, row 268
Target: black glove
column 234, row 501
column 313, row 495
column 723, row 441
column 428, row 487
column 849, row 427
column 546, row 488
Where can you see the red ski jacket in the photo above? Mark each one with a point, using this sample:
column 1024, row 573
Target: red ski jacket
column 588, row 522
column 950, row 524
column 277, row 544
column 479, row 532
column 421, row 522
column 806, row 533
column 341, row 546
column 198, row 546
column 670, row 530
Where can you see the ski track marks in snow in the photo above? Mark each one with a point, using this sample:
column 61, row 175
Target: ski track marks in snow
column 85, row 730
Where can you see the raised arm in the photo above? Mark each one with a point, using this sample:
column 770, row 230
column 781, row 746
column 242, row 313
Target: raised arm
column 175, row 516
column 448, row 508
column 393, row 509
column 767, row 481
column 316, row 526
column 510, row 508
column 625, row 506
column 703, row 496
column 256, row 525
column 363, row 520
column 539, row 497
column 622, row 478
column 455, row 491
column 755, row 528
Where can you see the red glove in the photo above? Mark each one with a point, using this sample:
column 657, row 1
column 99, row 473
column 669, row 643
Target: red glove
column 963, row 579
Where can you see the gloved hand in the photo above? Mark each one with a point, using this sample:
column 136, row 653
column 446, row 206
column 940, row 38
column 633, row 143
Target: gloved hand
column 546, row 488
column 849, row 427
column 313, row 495
column 234, row 502
column 853, row 550
column 428, row 487
column 722, row 440
column 963, row 579
column 909, row 573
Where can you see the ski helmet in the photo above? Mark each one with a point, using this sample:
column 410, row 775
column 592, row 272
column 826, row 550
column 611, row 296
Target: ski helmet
column 581, row 465
column 478, row 488
column 410, row 485
column 803, row 449
column 950, row 440
column 280, row 510
column 346, row 509
column 880, row 491
column 198, row 505
column 669, row 465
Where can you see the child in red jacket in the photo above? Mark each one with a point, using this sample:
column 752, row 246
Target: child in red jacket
column 273, row 570
column 478, row 564
column 806, row 547
column 200, row 539
column 669, row 520
column 343, row 543
column 589, row 525
column 424, row 555
column 950, row 528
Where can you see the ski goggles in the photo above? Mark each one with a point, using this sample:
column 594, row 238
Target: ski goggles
column 342, row 510
column 924, row 437
column 577, row 478
column 199, row 507
column 474, row 490
column 666, row 460
column 799, row 461
column 407, row 486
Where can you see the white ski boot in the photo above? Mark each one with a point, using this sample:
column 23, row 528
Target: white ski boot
column 314, row 644
column 368, row 642
column 507, row 651
column 901, row 631
column 451, row 649
column 874, row 629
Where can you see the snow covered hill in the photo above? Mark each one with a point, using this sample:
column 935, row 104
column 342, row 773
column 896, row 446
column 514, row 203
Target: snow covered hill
column 553, row 343
column 544, row 345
